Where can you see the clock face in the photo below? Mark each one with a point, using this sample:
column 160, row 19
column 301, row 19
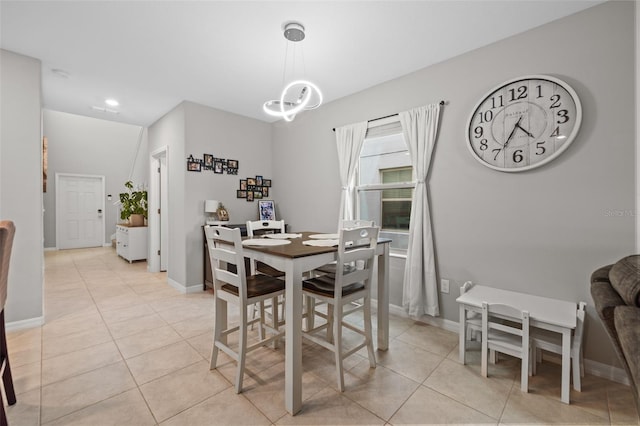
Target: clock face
column 524, row 123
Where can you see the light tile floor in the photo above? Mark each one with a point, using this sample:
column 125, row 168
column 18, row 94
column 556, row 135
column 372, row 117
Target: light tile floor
column 121, row 347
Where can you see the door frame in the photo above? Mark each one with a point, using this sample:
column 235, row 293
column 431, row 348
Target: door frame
column 153, row 261
column 79, row 175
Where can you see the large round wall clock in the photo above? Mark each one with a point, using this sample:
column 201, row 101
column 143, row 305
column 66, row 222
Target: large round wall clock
column 524, row 123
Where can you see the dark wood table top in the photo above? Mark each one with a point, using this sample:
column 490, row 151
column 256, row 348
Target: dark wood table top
column 296, row 249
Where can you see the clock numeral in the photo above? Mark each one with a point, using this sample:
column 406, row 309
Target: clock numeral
column 500, row 103
column 564, row 116
column 539, row 87
column 483, row 145
column 497, row 151
column 541, row 148
column 478, row 131
column 521, row 93
column 555, row 99
column 517, row 156
column 555, row 133
column 486, row 116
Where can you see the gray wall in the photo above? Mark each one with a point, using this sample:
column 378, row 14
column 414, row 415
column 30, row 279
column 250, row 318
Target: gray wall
column 85, row 145
column 543, row 231
column 21, row 183
column 192, row 129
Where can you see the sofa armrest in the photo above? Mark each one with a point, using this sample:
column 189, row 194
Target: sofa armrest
column 627, row 322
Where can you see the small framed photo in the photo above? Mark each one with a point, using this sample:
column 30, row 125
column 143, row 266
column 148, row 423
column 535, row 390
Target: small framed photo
column 217, row 167
column 232, row 164
column 194, row 166
column 208, row 161
column 267, row 210
column 251, row 182
column 257, row 194
column 267, row 182
column 241, row 194
column 243, row 184
column 258, row 180
column 265, row 192
column 249, row 195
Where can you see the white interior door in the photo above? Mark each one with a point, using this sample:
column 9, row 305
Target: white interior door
column 79, row 211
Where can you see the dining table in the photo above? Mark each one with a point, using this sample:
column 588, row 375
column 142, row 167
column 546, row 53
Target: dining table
column 304, row 252
column 546, row 313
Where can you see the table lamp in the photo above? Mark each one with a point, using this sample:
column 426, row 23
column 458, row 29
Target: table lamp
column 211, row 207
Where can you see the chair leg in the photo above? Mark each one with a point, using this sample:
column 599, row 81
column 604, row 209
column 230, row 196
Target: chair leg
column 7, row 380
column 220, row 325
column 368, row 332
column 483, row 358
column 330, row 319
column 577, row 382
column 242, row 349
column 261, row 330
column 337, row 346
column 275, row 318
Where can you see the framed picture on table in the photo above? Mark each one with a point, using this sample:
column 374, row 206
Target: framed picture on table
column 267, row 210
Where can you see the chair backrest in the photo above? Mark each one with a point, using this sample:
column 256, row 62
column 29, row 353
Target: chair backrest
column 225, row 245
column 7, row 232
column 264, row 225
column 356, row 246
column 465, row 287
column 494, row 316
column 579, row 331
column 358, row 223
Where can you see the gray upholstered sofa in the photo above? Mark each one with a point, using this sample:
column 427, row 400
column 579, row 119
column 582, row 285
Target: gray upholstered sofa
column 616, row 292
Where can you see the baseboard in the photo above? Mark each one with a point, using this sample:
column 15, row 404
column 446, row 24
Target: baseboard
column 50, row 248
column 594, row 368
column 23, row 324
column 197, row 288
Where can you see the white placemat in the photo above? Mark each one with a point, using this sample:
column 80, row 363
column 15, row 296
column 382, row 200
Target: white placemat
column 265, row 242
column 324, row 236
column 282, row 236
column 321, row 243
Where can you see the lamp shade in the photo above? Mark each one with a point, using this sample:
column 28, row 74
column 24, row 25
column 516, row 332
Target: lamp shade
column 211, row 206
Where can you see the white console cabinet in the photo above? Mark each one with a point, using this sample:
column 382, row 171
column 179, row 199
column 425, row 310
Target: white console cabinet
column 131, row 242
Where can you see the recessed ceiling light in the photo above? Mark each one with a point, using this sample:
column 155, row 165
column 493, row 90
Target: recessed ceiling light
column 112, row 102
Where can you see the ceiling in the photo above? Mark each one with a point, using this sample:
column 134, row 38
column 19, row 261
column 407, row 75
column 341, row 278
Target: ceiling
column 152, row 55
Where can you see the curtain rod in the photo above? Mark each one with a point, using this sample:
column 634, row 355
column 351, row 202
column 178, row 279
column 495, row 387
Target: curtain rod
column 387, row 116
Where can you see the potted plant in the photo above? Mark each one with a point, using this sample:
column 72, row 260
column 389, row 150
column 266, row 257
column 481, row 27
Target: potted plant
column 134, row 205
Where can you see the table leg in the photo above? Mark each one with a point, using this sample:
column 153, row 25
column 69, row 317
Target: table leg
column 566, row 365
column 462, row 338
column 383, row 299
column 293, row 347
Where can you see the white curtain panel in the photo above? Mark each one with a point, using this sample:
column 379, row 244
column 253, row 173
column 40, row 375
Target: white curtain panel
column 420, row 290
column 349, row 140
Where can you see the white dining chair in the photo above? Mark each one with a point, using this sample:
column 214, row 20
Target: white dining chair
column 552, row 342
column 474, row 320
column 225, row 249
column 339, row 290
column 502, row 336
column 330, row 268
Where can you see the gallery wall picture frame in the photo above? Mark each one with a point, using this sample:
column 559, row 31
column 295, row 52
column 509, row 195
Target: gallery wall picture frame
column 251, row 182
column 249, row 195
column 241, row 193
column 208, row 161
column 243, row 184
column 258, row 180
column 267, row 183
column 232, row 167
column 257, row 194
column 194, row 166
column 218, row 167
column 265, row 192
column 266, row 210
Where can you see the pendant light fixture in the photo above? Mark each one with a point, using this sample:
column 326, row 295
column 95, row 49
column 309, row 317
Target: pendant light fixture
column 300, row 94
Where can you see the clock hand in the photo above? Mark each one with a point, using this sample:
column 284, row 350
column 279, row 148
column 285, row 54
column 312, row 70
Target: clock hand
column 512, row 132
column 526, row 131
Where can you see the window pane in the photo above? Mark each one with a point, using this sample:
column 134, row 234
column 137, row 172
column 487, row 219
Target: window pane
column 396, row 215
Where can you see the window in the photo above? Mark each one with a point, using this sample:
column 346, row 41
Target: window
column 396, row 203
column 385, row 187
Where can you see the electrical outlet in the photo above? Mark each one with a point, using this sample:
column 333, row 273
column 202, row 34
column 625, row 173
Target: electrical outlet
column 444, row 286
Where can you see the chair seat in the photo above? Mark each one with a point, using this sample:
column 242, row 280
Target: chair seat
column 330, row 268
column 263, row 268
column 324, row 286
column 257, row 285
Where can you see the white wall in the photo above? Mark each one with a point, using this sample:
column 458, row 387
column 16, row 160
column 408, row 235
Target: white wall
column 543, row 231
column 192, row 129
column 21, row 184
column 86, row 145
